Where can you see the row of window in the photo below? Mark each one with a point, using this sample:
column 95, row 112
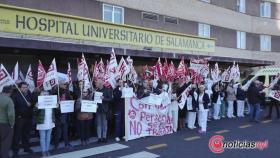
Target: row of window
column 265, row 7
column 265, row 40
column 115, row 14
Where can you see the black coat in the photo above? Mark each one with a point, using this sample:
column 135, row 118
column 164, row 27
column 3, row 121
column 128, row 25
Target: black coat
column 118, row 100
column 241, row 94
column 206, row 101
column 215, row 94
column 22, row 110
column 193, row 100
column 180, row 90
column 253, row 94
column 106, row 101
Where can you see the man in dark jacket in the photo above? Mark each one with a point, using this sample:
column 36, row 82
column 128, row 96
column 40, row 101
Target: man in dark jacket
column 254, row 94
column 23, row 123
column 119, row 111
column 103, row 111
column 275, row 103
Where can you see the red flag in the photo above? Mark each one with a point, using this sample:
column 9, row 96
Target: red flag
column 181, row 70
column 171, row 73
column 41, row 74
column 196, row 77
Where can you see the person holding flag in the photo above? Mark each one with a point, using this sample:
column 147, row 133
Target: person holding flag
column 23, row 101
column 231, row 97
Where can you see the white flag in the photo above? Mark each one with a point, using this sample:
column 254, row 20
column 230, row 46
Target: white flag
column 132, row 76
column 226, row 75
column 29, row 79
column 215, row 74
column 69, row 74
column 111, row 71
column 21, row 76
column 83, row 73
column 184, row 96
column 51, row 78
column 123, row 69
column 15, row 73
column 234, row 73
column 5, row 78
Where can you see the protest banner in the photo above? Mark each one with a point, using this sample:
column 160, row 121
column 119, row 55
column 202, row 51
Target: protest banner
column 47, row 102
column 145, row 119
column 67, row 106
column 88, row 106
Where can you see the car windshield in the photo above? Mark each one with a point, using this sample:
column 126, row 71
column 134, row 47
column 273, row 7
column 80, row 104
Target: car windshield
column 247, row 79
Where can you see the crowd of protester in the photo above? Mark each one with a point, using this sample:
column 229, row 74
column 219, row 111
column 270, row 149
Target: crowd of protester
column 205, row 102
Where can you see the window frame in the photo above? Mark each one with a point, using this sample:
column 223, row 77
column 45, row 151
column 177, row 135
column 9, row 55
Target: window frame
column 263, row 11
column 239, row 37
column 243, row 10
column 264, row 46
column 203, row 25
column 113, row 13
column 206, row 1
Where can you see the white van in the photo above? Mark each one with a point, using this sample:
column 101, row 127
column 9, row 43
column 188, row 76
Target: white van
column 265, row 75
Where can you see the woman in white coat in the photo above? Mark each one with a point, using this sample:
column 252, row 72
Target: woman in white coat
column 202, row 105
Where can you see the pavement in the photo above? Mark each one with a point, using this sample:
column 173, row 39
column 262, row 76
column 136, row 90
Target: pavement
column 186, row 143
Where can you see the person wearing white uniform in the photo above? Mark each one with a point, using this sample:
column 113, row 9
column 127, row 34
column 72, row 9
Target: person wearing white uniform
column 230, row 99
column 202, row 101
column 45, row 123
column 217, row 101
column 174, row 106
column 191, row 103
column 240, row 96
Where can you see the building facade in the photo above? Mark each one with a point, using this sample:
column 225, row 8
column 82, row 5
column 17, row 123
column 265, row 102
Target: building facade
column 245, row 31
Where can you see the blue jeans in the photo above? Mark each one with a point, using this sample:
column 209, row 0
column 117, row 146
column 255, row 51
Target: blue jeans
column 45, row 139
column 101, row 122
column 255, row 110
column 119, row 123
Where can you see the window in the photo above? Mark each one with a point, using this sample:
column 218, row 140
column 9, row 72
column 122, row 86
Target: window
column 261, row 78
column 265, row 9
column 208, row 1
column 241, row 40
column 171, row 20
column 204, row 30
column 241, row 6
column 265, row 42
column 113, row 14
column 271, row 78
column 150, row 16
